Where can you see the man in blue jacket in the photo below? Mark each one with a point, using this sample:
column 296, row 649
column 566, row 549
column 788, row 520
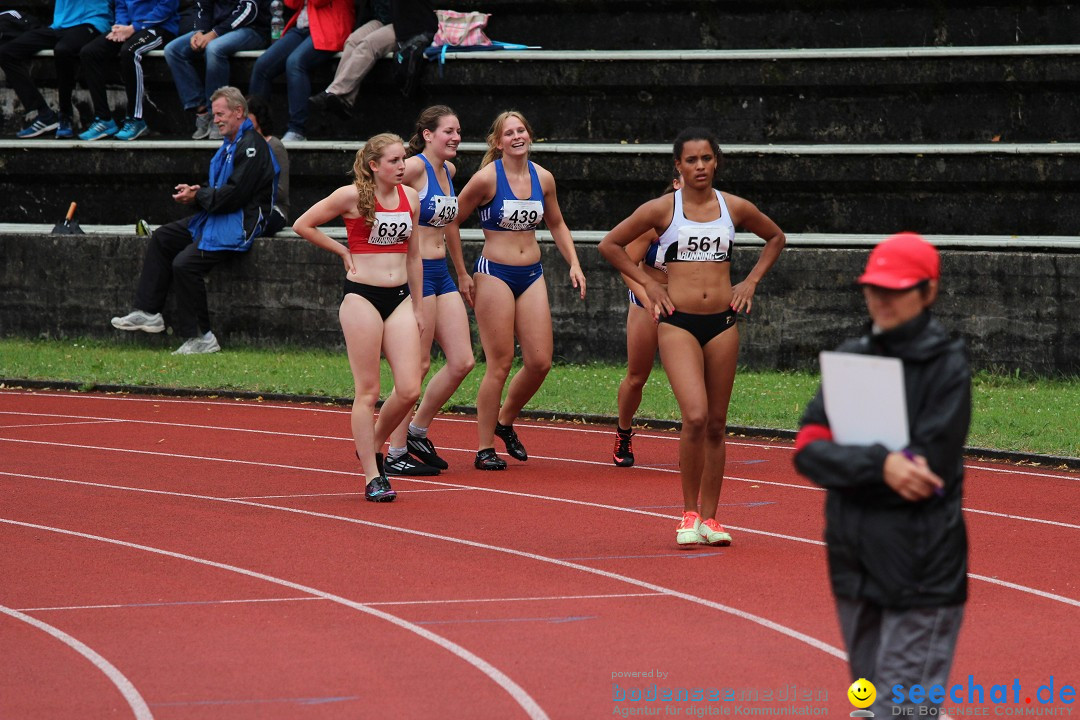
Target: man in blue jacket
column 75, row 23
column 234, row 206
column 141, row 26
column 222, row 29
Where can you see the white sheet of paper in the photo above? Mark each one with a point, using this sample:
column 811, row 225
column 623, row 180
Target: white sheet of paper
column 864, row 399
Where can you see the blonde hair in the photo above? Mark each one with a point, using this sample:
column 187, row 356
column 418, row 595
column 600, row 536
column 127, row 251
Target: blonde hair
column 364, row 178
column 233, row 96
column 428, row 120
column 494, row 153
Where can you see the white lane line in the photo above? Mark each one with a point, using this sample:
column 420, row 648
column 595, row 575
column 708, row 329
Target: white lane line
column 442, row 418
column 1014, row 586
column 344, row 494
column 102, row 421
column 520, row 696
column 764, row 622
column 117, row 678
column 176, row 603
column 1024, row 518
column 387, row 603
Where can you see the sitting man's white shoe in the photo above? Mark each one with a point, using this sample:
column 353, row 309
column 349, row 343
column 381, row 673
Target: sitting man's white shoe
column 292, row 136
column 139, row 320
column 199, row 345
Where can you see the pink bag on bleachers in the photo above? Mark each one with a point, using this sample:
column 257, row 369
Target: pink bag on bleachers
column 461, row 28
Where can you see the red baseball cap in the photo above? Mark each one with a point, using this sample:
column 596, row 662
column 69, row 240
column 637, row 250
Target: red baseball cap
column 900, row 262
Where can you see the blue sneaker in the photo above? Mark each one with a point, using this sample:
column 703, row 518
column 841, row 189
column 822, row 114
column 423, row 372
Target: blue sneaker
column 40, row 126
column 63, row 129
column 99, row 129
column 379, row 490
column 133, row 128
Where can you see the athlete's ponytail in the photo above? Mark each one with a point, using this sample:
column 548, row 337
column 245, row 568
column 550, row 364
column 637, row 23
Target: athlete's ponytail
column 364, row 178
column 494, row 153
column 428, row 120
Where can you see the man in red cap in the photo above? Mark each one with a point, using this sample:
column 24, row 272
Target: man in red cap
column 895, row 534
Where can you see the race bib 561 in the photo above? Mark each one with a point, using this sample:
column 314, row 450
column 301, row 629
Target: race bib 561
column 701, row 243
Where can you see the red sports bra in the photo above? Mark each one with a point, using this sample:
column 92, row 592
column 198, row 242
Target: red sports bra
column 390, row 232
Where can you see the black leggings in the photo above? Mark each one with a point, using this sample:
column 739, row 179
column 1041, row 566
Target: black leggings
column 385, row 299
column 703, row 327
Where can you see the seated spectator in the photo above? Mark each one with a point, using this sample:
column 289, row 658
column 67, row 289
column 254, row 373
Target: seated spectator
column 263, row 120
column 312, row 37
column 141, row 26
column 189, row 15
column 233, row 208
column 75, row 23
column 371, row 41
column 223, row 28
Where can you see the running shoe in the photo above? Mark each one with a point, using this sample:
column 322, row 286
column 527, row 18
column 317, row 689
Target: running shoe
column 133, row 128
column 488, row 460
column 63, row 128
column 688, row 531
column 406, row 465
column 713, row 533
column 424, row 450
column 202, row 126
column 99, row 129
column 199, row 345
column 139, row 320
column 40, row 126
column 623, row 455
column 379, row 490
column 513, row 446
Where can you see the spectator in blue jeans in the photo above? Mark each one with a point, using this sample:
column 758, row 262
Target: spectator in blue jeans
column 311, row 38
column 222, row 28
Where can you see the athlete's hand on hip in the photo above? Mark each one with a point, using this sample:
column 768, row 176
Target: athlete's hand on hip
column 659, row 301
column 577, row 279
column 346, row 258
column 467, row 289
column 742, row 296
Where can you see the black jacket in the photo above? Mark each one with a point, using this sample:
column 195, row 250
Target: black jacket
column 225, row 16
column 882, row 548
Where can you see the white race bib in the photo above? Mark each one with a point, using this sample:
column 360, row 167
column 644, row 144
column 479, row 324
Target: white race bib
column 444, row 211
column 390, row 228
column 521, row 214
column 704, row 243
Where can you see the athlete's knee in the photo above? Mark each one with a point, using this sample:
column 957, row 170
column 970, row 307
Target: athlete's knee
column 635, row 381
column 365, row 395
column 459, row 367
column 537, row 365
column 694, row 423
column 716, row 428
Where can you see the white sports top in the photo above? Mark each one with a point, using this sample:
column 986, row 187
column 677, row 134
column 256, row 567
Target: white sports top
column 690, row 241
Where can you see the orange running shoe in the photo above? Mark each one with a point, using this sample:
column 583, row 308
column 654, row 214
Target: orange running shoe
column 713, row 533
column 688, row 531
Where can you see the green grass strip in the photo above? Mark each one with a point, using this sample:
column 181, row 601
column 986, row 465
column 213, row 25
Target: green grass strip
column 1011, row 413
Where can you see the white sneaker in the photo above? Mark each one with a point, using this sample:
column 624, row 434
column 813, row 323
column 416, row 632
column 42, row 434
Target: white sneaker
column 291, row 136
column 199, row 345
column 139, row 320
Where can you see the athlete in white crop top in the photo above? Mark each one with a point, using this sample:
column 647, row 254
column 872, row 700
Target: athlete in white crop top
column 697, row 334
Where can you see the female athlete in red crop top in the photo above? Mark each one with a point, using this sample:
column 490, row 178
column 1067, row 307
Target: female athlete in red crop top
column 698, row 338
column 383, row 288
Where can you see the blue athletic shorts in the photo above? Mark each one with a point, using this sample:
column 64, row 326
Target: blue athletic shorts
column 634, row 298
column 437, row 279
column 518, row 277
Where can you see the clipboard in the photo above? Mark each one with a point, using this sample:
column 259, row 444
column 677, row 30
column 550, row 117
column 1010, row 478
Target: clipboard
column 864, row 399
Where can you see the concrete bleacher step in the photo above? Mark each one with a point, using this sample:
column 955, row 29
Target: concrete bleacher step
column 883, row 94
column 963, row 189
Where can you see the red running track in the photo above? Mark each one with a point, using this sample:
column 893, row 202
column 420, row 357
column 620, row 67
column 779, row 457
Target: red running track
column 215, row 559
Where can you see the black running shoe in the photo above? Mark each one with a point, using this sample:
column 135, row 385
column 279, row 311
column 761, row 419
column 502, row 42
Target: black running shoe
column 623, row 455
column 379, row 490
column 406, row 465
column 424, row 450
column 513, row 446
column 488, row 460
